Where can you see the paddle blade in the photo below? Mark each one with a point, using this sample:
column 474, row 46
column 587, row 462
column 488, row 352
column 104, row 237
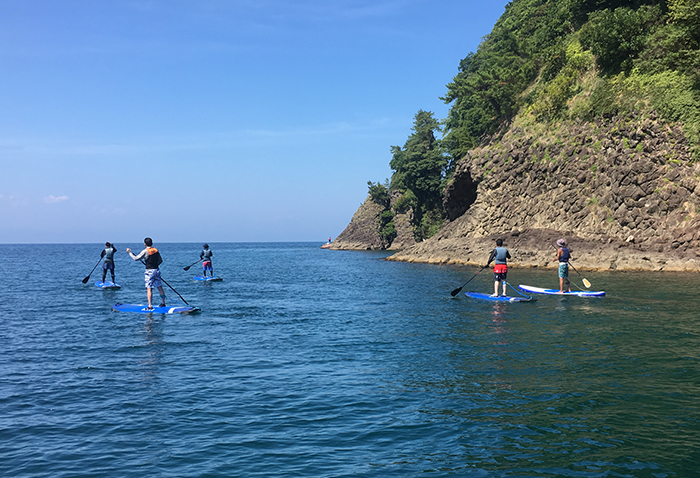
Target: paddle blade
column 86, row 279
column 455, row 292
column 586, row 283
column 187, row 268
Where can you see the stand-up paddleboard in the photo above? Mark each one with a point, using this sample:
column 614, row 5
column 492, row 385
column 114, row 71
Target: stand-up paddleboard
column 143, row 309
column 208, row 279
column 500, row 298
column 107, row 285
column 579, row 293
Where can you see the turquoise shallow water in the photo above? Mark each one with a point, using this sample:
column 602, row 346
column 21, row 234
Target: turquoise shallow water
column 315, row 363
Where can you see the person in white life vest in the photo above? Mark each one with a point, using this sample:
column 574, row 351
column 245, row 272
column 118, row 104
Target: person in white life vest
column 206, row 257
column 108, row 264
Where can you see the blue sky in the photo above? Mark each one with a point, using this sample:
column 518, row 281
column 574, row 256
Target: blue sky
column 213, row 120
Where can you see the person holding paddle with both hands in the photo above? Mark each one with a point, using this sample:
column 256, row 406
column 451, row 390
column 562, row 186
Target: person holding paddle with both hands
column 500, row 269
column 563, row 256
column 151, row 259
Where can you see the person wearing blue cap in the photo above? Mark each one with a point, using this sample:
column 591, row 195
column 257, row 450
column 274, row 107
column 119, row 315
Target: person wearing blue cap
column 206, row 257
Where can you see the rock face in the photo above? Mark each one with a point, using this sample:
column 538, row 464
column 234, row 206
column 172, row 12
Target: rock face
column 624, row 194
column 363, row 231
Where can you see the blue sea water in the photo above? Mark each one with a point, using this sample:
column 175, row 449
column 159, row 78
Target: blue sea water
column 315, row 363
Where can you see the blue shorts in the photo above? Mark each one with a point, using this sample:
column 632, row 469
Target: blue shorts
column 207, row 266
column 108, row 265
column 564, row 270
column 152, row 278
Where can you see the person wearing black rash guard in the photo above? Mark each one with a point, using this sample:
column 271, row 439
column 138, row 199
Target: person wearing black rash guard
column 500, row 269
column 108, row 264
column 152, row 259
column 206, row 256
column 563, row 256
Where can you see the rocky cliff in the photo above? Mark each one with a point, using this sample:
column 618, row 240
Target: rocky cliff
column 623, row 193
column 363, row 232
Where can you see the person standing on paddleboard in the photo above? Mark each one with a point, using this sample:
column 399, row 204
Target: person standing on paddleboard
column 500, row 270
column 152, row 259
column 206, row 257
column 108, row 264
column 563, row 256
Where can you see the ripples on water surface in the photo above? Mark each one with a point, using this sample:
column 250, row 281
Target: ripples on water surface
column 315, row 363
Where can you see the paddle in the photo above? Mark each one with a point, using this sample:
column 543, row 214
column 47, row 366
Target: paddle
column 188, row 267
column 164, row 282
column 85, row 281
column 585, row 281
column 456, row 291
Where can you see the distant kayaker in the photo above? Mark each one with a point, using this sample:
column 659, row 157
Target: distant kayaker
column 563, row 256
column 500, row 270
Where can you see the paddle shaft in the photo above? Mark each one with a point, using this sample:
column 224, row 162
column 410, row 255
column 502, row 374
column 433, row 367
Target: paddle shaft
column 456, row 291
column 188, row 267
column 171, row 287
column 93, row 270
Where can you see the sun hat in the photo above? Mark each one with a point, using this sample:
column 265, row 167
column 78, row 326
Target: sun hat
column 561, row 242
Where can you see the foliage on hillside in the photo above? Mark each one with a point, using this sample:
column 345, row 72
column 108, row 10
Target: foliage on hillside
column 547, row 61
column 562, row 59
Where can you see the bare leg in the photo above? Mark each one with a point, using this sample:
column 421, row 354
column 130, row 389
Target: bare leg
column 162, row 296
column 149, row 294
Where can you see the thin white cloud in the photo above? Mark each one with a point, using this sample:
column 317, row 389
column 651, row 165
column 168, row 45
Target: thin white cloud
column 55, row 199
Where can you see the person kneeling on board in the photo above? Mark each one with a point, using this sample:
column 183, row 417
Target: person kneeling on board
column 152, row 259
column 500, row 268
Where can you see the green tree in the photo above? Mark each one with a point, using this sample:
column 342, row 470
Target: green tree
column 419, row 170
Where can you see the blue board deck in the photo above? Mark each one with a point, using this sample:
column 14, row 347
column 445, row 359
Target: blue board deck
column 579, row 293
column 143, row 309
column 500, row 298
column 208, row 279
column 107, row 285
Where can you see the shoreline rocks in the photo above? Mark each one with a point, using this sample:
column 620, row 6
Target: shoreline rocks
column 624, row 193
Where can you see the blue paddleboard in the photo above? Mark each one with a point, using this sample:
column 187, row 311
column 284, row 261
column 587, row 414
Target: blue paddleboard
column 107, row 285
column 579, row 293
column 500, row 298
column 143, row 309
column 208, row 279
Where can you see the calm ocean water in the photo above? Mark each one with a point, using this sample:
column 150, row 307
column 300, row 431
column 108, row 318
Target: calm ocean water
column 315, row 363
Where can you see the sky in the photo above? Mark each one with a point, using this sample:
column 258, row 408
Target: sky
column 213, row 120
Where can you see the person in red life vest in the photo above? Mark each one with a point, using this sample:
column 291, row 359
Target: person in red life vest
column 563, row 256
column 152, row 259
column 500, row 270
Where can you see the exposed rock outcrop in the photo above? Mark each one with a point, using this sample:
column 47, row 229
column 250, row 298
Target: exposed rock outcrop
column 624, row 193
column 363, row 232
